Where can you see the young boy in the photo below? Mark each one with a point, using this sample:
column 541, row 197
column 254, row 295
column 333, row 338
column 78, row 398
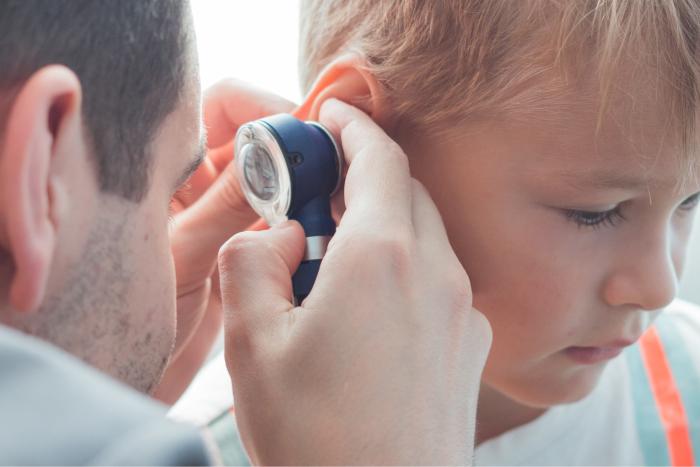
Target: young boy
column 559, row 141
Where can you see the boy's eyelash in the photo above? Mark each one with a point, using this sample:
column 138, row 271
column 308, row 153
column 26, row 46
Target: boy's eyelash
column 595, row 219
column 612, row 217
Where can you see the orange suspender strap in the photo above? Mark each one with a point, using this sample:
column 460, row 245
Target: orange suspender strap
column 668, row 400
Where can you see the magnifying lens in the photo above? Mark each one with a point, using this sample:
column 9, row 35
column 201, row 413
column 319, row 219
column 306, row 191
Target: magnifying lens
column 289, row 169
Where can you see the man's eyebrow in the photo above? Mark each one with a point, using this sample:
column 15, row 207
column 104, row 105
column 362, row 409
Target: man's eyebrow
column 192, row 167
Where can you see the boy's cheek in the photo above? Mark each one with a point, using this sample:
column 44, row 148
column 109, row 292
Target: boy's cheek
column 533, row 311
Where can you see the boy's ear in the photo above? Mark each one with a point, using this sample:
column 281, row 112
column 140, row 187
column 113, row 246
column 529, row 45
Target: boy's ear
column 44, row 115
column 347, row 79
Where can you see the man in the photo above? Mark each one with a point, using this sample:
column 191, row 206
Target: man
column 100, row 125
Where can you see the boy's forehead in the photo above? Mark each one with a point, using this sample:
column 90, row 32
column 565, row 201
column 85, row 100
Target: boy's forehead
column 624, row 139
column 595, row 167
column 610, row 159
column 630, row 149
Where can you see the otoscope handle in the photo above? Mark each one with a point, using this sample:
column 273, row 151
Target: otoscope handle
column 303, row 280
column 319, row 227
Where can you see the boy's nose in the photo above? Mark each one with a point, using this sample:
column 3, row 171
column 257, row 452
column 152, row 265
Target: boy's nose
column 644, row 274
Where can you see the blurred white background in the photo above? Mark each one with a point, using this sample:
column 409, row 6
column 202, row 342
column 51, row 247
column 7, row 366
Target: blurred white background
column 252, row 40
column 256, row 41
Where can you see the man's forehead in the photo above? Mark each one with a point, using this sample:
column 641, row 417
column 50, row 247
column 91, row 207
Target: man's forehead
column 179, row 144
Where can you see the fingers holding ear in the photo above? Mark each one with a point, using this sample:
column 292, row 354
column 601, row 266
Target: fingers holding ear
column 348, row 79
column 256, row 271
column 35, row 122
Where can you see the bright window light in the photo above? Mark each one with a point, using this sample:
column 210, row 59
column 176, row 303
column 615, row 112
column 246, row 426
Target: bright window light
column 255, row 41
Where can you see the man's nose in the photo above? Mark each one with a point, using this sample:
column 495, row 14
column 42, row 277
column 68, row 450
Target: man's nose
column 644, row 274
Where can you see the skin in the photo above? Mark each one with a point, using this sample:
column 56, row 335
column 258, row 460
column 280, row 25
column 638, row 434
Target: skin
column 502, row 202
column 122, row 318
column 389, row 315
column 95, row 274
column 503, row 188
column 138, row 295
column 545, row 283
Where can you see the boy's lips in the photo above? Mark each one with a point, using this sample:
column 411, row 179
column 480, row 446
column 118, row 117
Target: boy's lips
column 598, row 354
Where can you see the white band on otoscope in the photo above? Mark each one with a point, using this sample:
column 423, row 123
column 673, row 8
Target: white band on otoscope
column 316, row 247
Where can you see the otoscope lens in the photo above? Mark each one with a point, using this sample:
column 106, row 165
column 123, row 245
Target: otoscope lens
column 260, row 172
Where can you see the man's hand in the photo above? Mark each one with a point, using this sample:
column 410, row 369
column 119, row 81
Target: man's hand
column 381, row 364
column 208, row 210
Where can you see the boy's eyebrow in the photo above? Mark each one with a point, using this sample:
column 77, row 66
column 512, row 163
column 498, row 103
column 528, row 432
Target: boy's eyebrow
column 192, row 167
column 612, row 180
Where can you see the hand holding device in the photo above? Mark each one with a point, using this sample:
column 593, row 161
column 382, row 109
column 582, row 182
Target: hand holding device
column 381, row 364
column 289, row 169
column 205, row 214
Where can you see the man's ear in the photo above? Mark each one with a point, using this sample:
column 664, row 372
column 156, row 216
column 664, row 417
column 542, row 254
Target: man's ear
column 44, row 114
column 347, row 79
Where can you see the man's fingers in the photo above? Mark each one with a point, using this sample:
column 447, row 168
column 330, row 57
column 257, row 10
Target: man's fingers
column 221, row 211
column 221, row 156
column 378, row 183
column 342, row 119
column 427, row 222
column 231, row 103
column 256, row 271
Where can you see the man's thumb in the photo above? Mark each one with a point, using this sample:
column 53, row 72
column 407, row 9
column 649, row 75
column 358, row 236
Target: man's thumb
column 256, row 271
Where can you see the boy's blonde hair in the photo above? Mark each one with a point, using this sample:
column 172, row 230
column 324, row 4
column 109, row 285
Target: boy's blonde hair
column 450, row 61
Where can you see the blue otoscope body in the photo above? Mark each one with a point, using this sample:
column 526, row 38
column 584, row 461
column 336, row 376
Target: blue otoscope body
column 289, row 169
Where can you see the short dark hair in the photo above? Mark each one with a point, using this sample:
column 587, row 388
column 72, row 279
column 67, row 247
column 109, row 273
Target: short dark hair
column 130, row 57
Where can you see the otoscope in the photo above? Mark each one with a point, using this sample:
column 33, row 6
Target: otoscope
column 289, row 169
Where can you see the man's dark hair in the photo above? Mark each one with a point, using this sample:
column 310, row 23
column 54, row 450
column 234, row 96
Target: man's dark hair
column 130, row 58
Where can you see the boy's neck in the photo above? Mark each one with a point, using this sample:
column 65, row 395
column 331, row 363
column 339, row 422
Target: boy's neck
column 497, row 414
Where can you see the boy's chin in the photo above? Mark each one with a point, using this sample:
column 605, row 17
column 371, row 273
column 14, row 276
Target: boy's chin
column 557, row 389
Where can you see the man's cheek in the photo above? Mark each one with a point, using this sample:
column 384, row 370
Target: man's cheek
column 155, row 255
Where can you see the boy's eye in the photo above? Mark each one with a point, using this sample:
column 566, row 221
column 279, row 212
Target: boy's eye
column 613, row 216
column 595, row 219
column 690, row 203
